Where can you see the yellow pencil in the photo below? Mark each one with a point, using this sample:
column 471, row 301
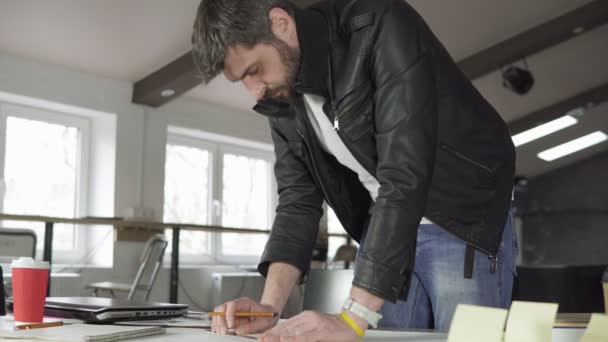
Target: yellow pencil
column 245, row 314
column 39, row 325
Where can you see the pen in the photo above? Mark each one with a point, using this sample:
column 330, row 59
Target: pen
column 39, row 325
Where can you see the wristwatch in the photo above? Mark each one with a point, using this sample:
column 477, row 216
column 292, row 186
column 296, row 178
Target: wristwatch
column 360, row 310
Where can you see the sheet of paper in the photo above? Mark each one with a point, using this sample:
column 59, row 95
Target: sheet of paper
column 529, row 321
column 192, row 335
column 81, row 332
column 597, row 331
column 567, row 334
column 477, row 324
column 171, row 323
column 399, row 336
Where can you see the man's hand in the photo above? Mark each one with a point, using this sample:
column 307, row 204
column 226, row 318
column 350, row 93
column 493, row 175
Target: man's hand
column 242, row 325
column 311, row 326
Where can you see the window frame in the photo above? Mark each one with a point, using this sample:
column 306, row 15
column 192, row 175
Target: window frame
column 83, row 160
column 219, row 145
column 272, row 200
column 187, row 141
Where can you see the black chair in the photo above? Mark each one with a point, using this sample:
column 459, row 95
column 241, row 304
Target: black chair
column 15, row 243
column 577, row 289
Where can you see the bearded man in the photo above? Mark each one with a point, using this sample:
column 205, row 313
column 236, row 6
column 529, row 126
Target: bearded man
column 369, row 113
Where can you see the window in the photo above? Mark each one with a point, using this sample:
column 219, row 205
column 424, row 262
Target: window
column 216, row 180
column 334, row 227
column 44, row 171
column 187, row 195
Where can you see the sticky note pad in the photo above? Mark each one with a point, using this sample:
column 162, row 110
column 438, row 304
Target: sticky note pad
column 597, row 331
column 530, row 321
column 477, row 324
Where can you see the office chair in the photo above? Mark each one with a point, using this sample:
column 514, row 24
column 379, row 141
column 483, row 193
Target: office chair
column 15, row 243
column 150, row 262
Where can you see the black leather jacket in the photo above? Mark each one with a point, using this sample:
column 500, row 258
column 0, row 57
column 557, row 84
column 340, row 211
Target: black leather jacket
column 411, row 118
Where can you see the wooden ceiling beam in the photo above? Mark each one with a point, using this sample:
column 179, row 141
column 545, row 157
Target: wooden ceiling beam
column 181, row 75
column 534, row 40
column 167, row 83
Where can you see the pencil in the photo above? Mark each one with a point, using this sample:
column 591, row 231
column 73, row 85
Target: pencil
column 245, row 314
column 39, row 325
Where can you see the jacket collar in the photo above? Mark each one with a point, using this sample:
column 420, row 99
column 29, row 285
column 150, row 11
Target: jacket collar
column 311, row 78
column 313, row 36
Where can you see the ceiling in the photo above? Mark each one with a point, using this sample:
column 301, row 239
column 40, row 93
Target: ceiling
column 129, row 39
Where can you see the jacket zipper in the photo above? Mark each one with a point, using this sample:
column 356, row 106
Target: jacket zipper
column 493, row 263
column 465, row 158
column 337, row 116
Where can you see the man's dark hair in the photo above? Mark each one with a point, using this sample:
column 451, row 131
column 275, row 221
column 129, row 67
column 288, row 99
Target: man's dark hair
column 221, row 24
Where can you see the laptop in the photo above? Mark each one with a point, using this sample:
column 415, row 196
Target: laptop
column 108, row 310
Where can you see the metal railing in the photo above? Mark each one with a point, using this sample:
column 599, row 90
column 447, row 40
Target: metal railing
column 49, row 223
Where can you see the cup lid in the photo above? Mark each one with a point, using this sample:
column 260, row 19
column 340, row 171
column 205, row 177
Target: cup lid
column 27, row 262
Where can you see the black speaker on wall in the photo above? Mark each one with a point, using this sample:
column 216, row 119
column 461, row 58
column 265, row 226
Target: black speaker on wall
column 519, row 80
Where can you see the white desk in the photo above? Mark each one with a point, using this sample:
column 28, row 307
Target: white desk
column 192, row 335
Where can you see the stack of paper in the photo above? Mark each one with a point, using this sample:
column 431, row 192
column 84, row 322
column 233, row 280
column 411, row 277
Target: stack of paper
column 82, row 333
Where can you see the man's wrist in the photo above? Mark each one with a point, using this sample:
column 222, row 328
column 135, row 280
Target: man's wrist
column 360, row 321
column 276, row 307
column 366, row 299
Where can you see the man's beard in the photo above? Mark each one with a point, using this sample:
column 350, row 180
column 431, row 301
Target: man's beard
column 290, row 58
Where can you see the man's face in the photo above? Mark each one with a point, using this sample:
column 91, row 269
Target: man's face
column 266, row 70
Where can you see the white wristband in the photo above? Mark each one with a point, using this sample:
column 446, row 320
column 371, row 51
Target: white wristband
column 360, row 310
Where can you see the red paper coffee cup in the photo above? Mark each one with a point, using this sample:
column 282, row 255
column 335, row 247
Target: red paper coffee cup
column 30, row 280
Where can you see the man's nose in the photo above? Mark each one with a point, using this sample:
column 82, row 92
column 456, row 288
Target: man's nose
column 255, row 87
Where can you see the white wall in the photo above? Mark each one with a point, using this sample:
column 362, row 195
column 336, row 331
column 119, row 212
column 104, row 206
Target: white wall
column 140, row 148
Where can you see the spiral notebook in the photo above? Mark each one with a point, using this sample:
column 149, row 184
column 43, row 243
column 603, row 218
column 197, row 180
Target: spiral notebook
column 82, row 333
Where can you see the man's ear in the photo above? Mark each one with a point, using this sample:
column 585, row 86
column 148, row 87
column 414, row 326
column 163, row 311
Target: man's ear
column 283, row 26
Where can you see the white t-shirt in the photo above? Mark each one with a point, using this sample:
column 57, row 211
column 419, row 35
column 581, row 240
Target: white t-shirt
column 331, row 142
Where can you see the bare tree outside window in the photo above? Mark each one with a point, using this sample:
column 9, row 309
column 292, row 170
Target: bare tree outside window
column 40, row 172
column 245, row 203
column 187, row 188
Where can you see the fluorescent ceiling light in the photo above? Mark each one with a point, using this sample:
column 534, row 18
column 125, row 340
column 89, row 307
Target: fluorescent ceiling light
column 543, row 130
column 573, row 146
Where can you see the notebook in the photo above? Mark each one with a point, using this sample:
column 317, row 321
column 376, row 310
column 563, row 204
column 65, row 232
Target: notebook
column 82, row 333
column 107, row 310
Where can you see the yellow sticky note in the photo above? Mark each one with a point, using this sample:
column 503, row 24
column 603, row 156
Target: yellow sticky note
column 477, row 324
column 530, row 321
column 597, row 331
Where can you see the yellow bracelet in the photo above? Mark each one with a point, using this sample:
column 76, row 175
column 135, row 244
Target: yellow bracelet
column 351, row 323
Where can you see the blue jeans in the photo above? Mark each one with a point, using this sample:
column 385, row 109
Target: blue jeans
column 438, row 284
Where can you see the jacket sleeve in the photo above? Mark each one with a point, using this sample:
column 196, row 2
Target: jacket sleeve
column 299, row 210
column 405, row 99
